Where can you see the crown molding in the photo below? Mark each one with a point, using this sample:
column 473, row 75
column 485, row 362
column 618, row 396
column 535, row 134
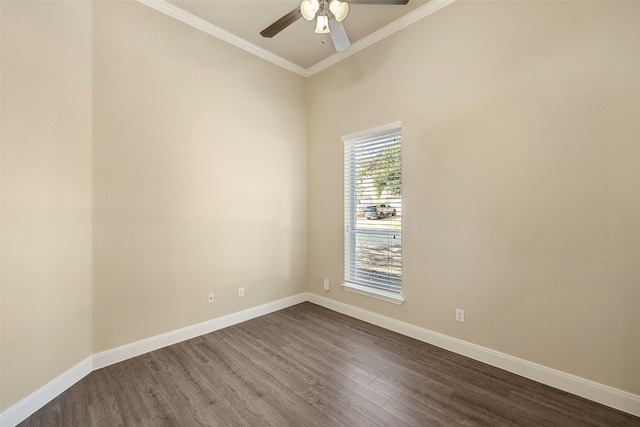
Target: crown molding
column 182, row 15
column 219, row 33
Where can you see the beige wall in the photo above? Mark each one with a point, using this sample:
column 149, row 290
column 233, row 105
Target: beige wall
column 521, row 178
column 46, row 193
column 145, row 164
column 199, row 176
column 192, row 180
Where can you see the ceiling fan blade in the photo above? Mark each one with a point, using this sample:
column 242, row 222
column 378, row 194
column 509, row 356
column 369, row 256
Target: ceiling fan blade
column 281, row 23
column 392, row 2
column 338, row 35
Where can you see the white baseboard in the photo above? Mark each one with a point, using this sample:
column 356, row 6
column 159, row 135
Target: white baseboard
column 119, row 354
column 591, row 390
column 18, row 412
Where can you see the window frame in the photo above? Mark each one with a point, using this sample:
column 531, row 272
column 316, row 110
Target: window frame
column 350, row 213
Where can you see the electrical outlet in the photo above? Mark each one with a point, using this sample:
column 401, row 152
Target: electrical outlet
column 210, row 300
column 459, row 315
column 327, row 284
column 240, row 292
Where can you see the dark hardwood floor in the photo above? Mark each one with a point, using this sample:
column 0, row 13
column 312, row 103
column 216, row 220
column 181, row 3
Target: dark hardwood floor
column 309, row 366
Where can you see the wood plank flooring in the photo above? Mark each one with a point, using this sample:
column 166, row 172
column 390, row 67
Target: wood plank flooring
column 308, row 366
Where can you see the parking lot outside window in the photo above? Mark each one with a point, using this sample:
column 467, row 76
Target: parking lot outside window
column 373, row 213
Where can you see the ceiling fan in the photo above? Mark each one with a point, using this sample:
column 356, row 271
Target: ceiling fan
column 328, row 14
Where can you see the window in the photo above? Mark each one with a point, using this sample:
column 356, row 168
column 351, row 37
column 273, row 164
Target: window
column 373, row 213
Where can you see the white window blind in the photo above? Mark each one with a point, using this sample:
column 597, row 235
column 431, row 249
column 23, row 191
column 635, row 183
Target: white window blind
column 373, row 211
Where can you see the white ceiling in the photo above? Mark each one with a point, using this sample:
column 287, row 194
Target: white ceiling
column 296, row 47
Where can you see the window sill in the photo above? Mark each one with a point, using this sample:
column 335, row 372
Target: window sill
column 391, row 297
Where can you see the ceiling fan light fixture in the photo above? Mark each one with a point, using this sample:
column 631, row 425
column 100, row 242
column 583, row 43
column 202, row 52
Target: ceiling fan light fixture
column 340, row 9
column 308, row 8
column 322, row 25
